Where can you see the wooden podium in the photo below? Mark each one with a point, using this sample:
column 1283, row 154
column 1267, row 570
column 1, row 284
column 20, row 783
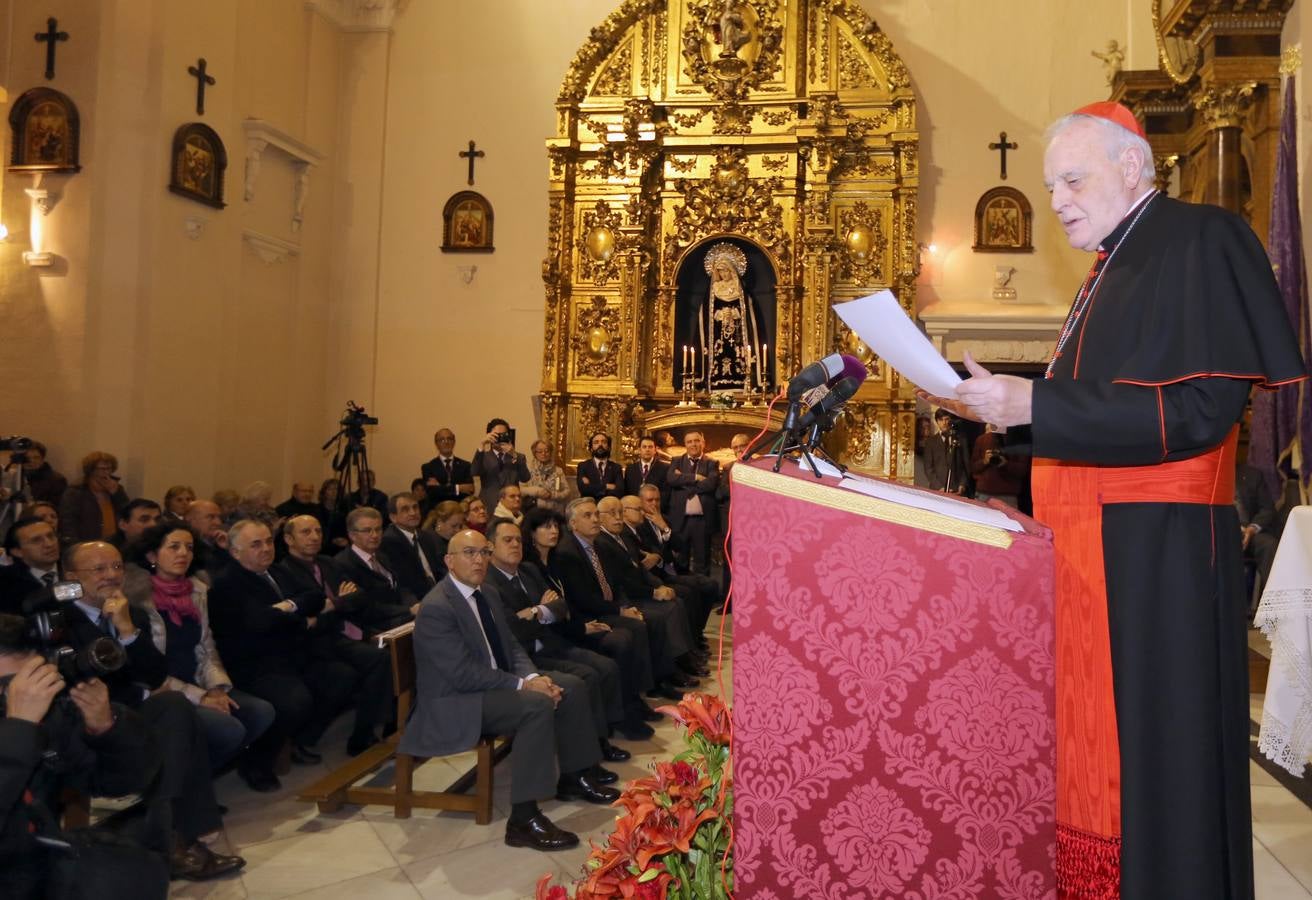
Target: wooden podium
column 892, row 697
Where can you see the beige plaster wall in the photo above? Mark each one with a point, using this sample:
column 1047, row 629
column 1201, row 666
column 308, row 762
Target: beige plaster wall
column 455, row 353
column 191, row 359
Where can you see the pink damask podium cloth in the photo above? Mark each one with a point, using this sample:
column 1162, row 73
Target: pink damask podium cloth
column 893, row 698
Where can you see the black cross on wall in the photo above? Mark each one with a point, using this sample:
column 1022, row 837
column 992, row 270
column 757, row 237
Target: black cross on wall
column 198, row 72
column 471, row 154
column 1002, row 147
column 50, row 37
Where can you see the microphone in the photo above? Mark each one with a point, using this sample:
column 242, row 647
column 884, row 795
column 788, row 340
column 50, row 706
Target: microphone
column 837, row 396
column 833, row 366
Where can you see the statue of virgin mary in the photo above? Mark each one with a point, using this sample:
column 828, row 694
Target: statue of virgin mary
column 727, row 326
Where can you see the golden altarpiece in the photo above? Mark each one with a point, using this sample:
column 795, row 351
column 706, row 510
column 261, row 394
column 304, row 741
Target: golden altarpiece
column 735, row 163
column 1211, row 109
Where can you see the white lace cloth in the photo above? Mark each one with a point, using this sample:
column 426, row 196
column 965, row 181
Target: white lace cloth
column 1285, row 617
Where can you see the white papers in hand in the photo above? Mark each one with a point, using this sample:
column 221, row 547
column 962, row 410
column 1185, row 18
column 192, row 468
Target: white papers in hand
column 887, row 330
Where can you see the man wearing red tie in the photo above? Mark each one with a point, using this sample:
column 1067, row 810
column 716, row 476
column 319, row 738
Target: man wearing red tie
column 647, row 469
column 693, row 479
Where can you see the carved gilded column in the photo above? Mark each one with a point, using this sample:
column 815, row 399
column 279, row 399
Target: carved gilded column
column 1223, row 107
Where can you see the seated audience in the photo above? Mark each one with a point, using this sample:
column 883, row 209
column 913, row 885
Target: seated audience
column 257, row 503
column 181, row 799
column 381, row 603
column 542, row 531
column 227, row 501
column 88, row 745
column 261, row 630
column 46, row 512
column 161, row 583
column 593, row 589
column 475, row 514
column 334, row 639
column 367, row 495
column 176, row 501
column 662, row 606
column 646, row 469
column 302, row 502
column 417, row 488
column 416, row 555
column 547, row 484
column 34, row 548
column 531, row 609
column 599, row 476
column 43, row 482
column 134, row 520
column 332, row 515
column 473, row 679
column 446, row 476
column 205, row 519
column 89, row 511
column 444, row 520
column 510, row 504
column 700, row 592
column 497, row 464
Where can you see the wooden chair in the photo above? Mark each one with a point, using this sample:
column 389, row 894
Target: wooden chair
column 338, row 787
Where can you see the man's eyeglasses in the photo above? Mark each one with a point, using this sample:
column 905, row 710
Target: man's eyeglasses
column 375, row 530
column 472, row 554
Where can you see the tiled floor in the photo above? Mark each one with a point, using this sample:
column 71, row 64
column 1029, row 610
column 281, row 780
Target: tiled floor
column 292, row 851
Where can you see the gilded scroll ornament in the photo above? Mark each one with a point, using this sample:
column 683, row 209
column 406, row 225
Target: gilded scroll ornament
column 599, row 235
column 597, row 338
column 864, row 243
column 732, row 46
column 1224, row 105
column 616, row 79
column 853, row 70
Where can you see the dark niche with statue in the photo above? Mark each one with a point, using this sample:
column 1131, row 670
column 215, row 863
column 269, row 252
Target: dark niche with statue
column 725, row 315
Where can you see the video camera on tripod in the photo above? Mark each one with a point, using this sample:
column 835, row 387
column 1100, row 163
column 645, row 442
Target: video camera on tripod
column 350, row 456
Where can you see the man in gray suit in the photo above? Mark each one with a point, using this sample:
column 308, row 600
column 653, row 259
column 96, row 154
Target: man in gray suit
column 474, row 679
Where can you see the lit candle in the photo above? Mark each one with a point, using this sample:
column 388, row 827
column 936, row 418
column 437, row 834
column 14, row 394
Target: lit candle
column 763, row 365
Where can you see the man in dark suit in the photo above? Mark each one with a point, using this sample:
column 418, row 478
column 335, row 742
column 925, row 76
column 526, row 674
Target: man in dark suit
column 34, row 547
column 594, row 590
column 599, row 476
column 180, row 801
column 693, row 479
column 416, row 555
column 945, row 456
column 332, row 638
column 532, row 609
column 646, row 469
column 1257, row 519
column 700, row 593
column 446, row 476
column 382, row 602
column 497, row 464
column 261, row 629
column 473, row 679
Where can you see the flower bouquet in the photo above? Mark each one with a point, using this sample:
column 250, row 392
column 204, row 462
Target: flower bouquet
column 673, row 838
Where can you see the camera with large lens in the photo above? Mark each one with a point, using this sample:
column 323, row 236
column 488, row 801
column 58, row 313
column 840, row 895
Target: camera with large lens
column 47, row 630
column 17, row 446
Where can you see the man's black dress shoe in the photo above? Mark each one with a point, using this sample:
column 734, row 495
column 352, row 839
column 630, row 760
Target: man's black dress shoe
column 583, row 787
column 666, row 690
column 601, row 775
column 694, row 670
column 683, row 681
column 650, row 715
column 199, row 863
column 304, row 756
column 539, row 833
column 611, row 753
column 261, row 780
column 635, row 731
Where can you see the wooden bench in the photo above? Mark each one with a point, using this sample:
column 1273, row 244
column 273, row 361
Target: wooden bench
column 339, row 787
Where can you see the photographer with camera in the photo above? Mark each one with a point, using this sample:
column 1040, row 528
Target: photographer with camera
column 50, row 742
column 998, row 474
column 497, row 464
column 181, row 800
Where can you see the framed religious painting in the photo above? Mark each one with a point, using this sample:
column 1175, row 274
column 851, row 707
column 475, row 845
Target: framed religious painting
column 46, row 132
column 199, row 161
column 1004, row 222
column 467, row 224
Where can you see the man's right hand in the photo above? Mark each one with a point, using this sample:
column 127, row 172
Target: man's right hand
column 631, row 612
column 220, row 539
column 544, row 685
column 92, row 700
column 32, row 690
column 346, row 587
column 595, row 627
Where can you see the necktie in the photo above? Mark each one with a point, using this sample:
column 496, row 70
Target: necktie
column 49, row 579
column 277, row 590
column 446, row 468
column 423, row 561
column 644, row 472
column 379, row 570
column 601, row 576
column 491, row 632
column 519, row 587
column 349, row 629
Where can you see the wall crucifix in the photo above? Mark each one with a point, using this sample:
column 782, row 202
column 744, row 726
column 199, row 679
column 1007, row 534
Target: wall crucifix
column 1002, row 147
column 471, row 154
column 50, row 37
column 202, row 79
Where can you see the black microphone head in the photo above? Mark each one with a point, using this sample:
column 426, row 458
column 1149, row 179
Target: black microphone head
column 816, row 374
column 839, row 394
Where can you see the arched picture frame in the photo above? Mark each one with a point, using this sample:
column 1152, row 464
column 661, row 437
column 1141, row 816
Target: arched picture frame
column 1004, row 222
column 199, row 161
column 46, row 130
column 467, row 224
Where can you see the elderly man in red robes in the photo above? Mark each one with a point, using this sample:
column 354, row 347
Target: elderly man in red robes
column 1134, row 438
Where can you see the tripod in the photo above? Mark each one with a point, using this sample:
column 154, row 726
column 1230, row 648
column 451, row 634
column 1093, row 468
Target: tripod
column 351, row 463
